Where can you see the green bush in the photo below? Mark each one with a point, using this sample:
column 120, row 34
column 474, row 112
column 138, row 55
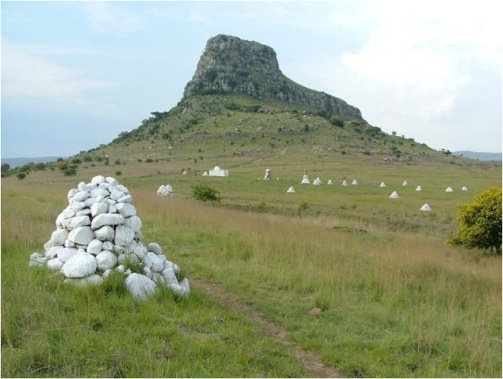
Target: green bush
column 21, row 175
column 205, row 193
column 480, row 222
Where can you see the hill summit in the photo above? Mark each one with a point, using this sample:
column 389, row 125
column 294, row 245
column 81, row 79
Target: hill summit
column 232, row 65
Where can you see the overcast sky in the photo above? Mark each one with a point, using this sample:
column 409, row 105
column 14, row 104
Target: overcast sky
column 76, row 74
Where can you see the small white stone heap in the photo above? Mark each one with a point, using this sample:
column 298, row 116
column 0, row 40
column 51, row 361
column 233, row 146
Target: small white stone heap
column 99, row 232
column 165, row 190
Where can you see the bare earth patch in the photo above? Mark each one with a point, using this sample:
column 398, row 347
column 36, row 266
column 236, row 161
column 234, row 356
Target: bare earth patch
column 311, row 362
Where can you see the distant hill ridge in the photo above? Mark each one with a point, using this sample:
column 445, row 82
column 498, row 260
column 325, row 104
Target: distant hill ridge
column 17, row 162
column 482, row 156
column 232, row 65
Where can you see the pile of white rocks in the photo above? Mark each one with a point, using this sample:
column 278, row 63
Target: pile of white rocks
column 165, row 190
column 99, row 232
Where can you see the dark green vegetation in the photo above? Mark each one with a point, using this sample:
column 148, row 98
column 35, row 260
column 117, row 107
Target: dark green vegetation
column 480, row 222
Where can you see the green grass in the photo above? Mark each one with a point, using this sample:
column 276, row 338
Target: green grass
column 396, row 301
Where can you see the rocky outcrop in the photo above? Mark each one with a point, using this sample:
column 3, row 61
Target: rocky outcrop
column 232, row 65
column 99, row 233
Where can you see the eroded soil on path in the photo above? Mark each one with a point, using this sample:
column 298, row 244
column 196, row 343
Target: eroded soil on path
column 311, row 362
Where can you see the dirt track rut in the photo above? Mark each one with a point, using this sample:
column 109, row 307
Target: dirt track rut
column 311, row 362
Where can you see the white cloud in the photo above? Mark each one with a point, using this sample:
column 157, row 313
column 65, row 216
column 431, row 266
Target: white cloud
column 108, row 18
column 24, row 73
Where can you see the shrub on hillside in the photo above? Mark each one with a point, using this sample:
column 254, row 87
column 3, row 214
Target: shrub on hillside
column 480, row 222
column 205, row 193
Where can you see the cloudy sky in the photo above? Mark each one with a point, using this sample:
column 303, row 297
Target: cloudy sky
column 76, row 74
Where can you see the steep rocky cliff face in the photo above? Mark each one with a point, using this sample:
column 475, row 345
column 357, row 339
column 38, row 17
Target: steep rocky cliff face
column 230, row 64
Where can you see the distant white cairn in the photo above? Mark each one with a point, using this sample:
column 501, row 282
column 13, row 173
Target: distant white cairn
column 394, row 195
column 291, row 190
column 425, row 208
column 165, row 190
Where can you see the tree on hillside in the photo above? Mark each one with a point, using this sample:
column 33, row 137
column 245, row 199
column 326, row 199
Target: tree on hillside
column 480, row 222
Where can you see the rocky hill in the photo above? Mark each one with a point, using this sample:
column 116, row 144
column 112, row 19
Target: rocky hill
column 232, row 65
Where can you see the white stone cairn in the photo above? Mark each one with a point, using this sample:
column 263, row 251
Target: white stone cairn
column 165, row 190
column 100, row 232
column 425, row 208
column 394, row 195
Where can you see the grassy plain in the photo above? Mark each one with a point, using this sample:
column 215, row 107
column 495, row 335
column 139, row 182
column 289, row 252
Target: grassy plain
column 395, row 300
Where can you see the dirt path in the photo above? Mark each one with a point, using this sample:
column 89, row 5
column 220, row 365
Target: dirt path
column 311, row 362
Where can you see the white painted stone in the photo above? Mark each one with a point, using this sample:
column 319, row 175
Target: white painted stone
column 185, row 284
column 140, row 251
column 140, row 287
column 118, row 249
column 155, row 248
column 134, row 223
column 158, row 279
column 105, row 186
column 71, row 193
column 123, row 235
column 69, row 243
column 126, row 259
column 112, row 208
column 107, row 219
column 98, row 209
column 100, row 192
column 125, row 209
column 95, row 247
column 79, row 266
column 52, row 252
column 37, row 259
column 153, row 262
column 106, row 260
column 169, row 276
column 81, row 196
column 107, row 245
column 82, row 186
column 91, row 280
column 67, row 213
column 181, row 289
column 66, row 253
column 147, row 272
column 125, row 199
column 112, row 181
column 97, row 179
column 105, row 233
column 54, row 264
column 83, row 212
column 77, row 206
column 123, row 189
column 115, row 194
column 81, row 235
column 75, row 222
column 58, row 237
